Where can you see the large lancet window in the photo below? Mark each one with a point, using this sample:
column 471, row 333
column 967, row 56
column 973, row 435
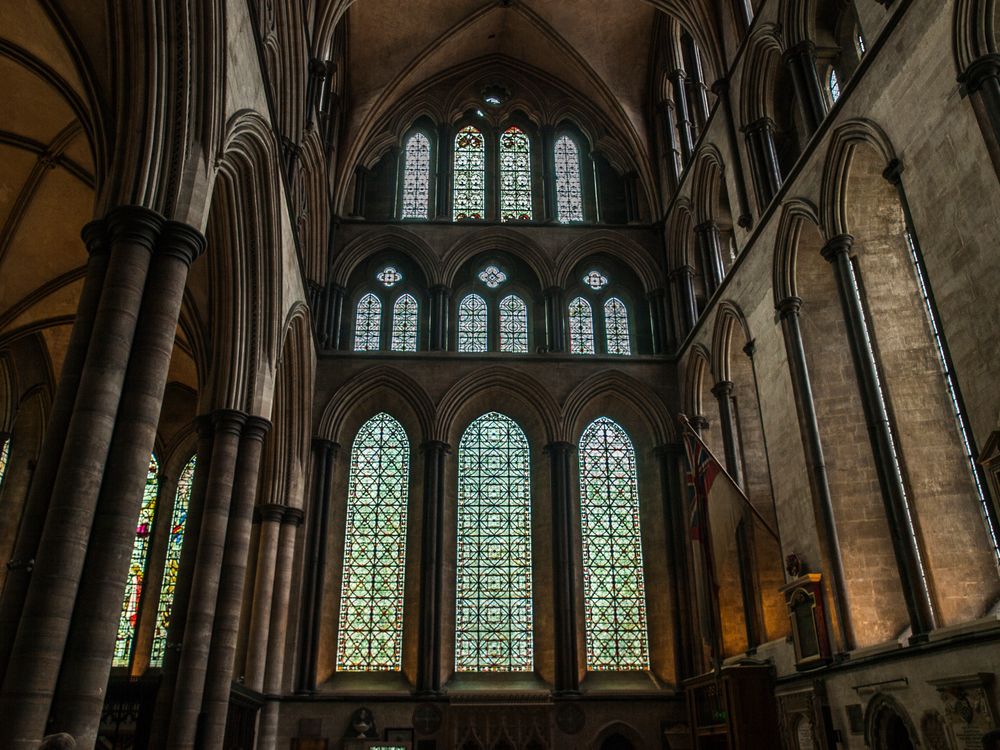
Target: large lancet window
column 472, row 324
column 137, row 568
column 416, row 177
column 370, row 632
column 614, row 589
column 404, row 324
column 581, row 327
column 569, row 190
column 171, row 564
column 513, row 324
column 469, row 175
column 368, row 324
column 493, row 619
column 515, row 175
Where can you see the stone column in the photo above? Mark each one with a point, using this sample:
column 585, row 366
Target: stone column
column 190, row 682
column 721, row 89
column 685, row 131
column 669, row 125
column 260, row 618
column 225, row 630
column 683, row 279
column 981, row 82
column 431, row 571
column 555, row 329
column 894, row 494
column 709, row 245
column 87, row 663
column 37, row 654
column 565, row 570
column 40, row 489
column 550, row 201
column 723, row 392
column 677, row 532
column 657, row 322
column 788, row 311
column 764, row 159
column 360, row 187
column 442, row 191
column 801, row 63
column 438, row 319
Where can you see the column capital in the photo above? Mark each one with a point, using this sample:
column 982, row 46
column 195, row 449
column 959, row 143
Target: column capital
column 678, row 73
column 893, row 173
column 323, row 445
column 723, row 389
column 685, row 270
column 559, row 446
column 978, row 72
column 181, row 241
column 256, row 428
column 789, row 307
column 270, row 512
column 552, row 290
column 709, row 225
column 750, row 348
column 228, row 420
column 435, row 445
column 95, row 236
column 840, row 244
column 669, row 450
column 293, row 516
column 758, row 125
column 805, row 48
column 134, row 224
column 440, row 289
column 720, row 87
column 699, row 422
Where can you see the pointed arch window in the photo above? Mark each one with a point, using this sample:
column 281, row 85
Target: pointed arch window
column 493, row 618
column 416, row 177
column 581, row 327
column 404, row 324
column 370, row 630
column 469, row 174
column 473, row 327
column 513, row 324
column 616, row 327
column 137, row 568
column 613, row 581
column 171, row 564
column 4, row 458
column 833, row 85
column 569, row 190
column 515, row 175
column 368, row 324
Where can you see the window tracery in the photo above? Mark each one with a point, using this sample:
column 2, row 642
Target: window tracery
column 404, row 324
column 389, row 276
column 616, row 327
column 515, row 175
column 473, row 324
column 368, row 324
column 416, row 177
column 4, row 457
column 469, row 175
column 569, row 192
column 833, row 85
column 492, row 276
column 581, row 327
column 513, row 325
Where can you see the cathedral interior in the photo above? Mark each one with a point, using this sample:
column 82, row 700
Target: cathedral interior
column 499, row 374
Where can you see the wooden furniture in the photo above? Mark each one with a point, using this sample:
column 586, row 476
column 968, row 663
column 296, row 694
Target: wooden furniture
column 734, row 710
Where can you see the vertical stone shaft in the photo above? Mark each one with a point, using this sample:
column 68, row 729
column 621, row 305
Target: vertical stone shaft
column 981, row 81
column 683, row 279
column 85, row 669
column 721, row 89
column 723, row 392
column 190, row 680
column 35, row 659
column 710, row 248
column 685, row 127
column 260, row 618
column 438, row 339
column 675, row 513
column 555, row 329
column 764, row 158
column 15, row 586
column 431, row 574
column 801, row 63
column 565, row 569
column 225, row 630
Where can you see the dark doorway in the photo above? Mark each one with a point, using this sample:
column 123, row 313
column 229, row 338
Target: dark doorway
column 617, row 742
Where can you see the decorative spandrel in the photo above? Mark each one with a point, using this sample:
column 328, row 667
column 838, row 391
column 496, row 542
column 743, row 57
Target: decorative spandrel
column 569, row 191
column 370, row 631
column 513, row 325
column 595, row 280
column 416, row 177
column 404, row 324
column 613, row 582
column 492, row 276
column 616, row 327
column 389, row 276
column 581, row 327
column 137, row 568
column 515, row 175
column 493, row 615
column 171, row 564
column 472, row 324
column 469, row 175
column 368, row 324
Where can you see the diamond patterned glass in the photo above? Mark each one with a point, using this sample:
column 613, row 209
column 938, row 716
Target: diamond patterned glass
column 492, row 276
column 569, row 194
column 137, row 568
column 469, row 174
column 834, row 85
column 581, row 327
column 595, row 280
column 493, row 618
column 404, row 324
column 368, row 324
column 513, row 325
column 370, row 633
column 472, row 324
column 4, row 457
column 389, row 276
column 171, row 565
column 613, row 586
column 616, row 327
column 515, row 175
column 416, row 177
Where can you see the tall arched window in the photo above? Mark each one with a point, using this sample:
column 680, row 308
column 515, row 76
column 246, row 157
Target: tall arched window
column 613, row 586
column 469, row 174
column 171, row 565
column 472, row 324
column 404, row 324
column 137, row 568
column 515, row 175
column 368, row 324
column 416, row 177
column 513, row 324
column 493, row 618
column 370, row 632
column 569, row 190
column 581, row 327
column 616, row 327
column 4, row 457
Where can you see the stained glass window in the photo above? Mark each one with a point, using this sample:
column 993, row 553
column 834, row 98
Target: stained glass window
column 137, row 568
column 404, row 324
column 492, row 276
column 389, row 276
column 581, row 327
column 513, row 324
column 469, row 174
column 493, row 619
column 616, row 327
column 4, row 457
column 569, row 194
column 613, row 587
column 595, row 280
column 859, row 42
column 834, row 85
column 472, row 324
column 171, row 565
column 370, row 633
column 368, row 324
column 416, row 177
column 515, row 175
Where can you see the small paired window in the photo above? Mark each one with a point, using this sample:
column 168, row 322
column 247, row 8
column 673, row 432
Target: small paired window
column 596, row 311
column 498, row 323
column 404, row 311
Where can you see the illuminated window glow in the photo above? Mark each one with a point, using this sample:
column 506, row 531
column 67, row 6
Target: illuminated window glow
column 472, row 324
column 616, row 327
column 834, row 85
column 368, row 324
column 492, row 276
column 513, row 325
column 595, row 280
column 416, row 177
column 581, row 327
column 469, row 174
column 404, row 324
column 569, row 193
column 389, row 276
column 515, row 175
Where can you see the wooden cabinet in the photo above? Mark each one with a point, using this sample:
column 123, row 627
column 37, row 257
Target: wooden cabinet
column 734, row 710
